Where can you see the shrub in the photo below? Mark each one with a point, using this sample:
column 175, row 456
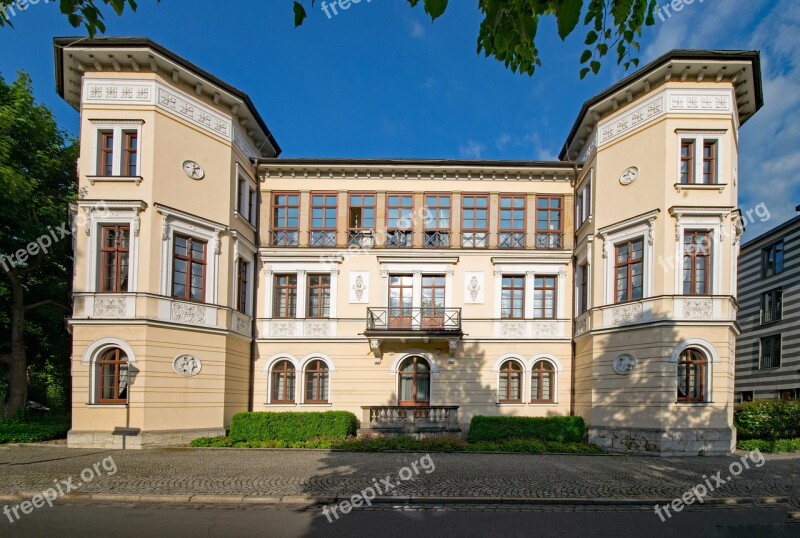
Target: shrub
column 33, row 429
column 533, row 446
column 768, row 419
column 545, row 429
column 212, row 442
column 449, row 443
column 770, row 446
column 292, row 427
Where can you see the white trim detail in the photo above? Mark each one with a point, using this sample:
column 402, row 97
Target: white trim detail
column 90, row 358
column 117, row 127
column 642, row 226
column 706, row 220
column 428, row 356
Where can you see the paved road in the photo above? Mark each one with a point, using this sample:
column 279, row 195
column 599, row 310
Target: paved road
column 462, row 521
column 282, row 473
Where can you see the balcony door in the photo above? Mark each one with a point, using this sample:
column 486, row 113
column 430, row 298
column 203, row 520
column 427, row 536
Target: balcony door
column 401, row 300
column 415, row 383
column 433, row 301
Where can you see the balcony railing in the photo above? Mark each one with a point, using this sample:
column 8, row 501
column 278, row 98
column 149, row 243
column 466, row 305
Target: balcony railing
column 771, row 315
column 549, row 241
column 396, row 418
column 361, row 238
column 474, row 239
column 322, row 238
column 770, row 361
column 414, row 319
column 284, row 238
column 399, row 239
column 511, row 240
column 437, row 239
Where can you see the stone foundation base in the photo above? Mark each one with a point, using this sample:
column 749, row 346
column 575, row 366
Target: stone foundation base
column 144, row 439
column 664, row 441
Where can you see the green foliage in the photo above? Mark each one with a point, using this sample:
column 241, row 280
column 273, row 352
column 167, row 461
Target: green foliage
column 545, row 429
column 770, row 446
column 80, row 12
column 212, row 442
column 448, row 443
column 533, row 446
column 21, row 429
column 292, row 427
column 768, row 419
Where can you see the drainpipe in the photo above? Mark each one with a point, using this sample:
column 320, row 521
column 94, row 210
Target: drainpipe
column 254, row 302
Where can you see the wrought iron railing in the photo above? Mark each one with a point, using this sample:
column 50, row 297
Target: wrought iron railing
column 437, row 239
column 414, row 319
column 474, row 239
column 399, row 239
column 549, row 241
column 511, row 240
column 361, row 238
column 284, row 238
column 322, row 238
column 770, row 315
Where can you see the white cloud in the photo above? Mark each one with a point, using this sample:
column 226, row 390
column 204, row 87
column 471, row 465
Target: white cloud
column 416, row 29
column 472, row 150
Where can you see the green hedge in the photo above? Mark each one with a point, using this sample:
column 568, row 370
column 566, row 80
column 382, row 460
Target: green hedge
column 768, row 419
column 770, row 446
column 544, row 429
column 292, row 427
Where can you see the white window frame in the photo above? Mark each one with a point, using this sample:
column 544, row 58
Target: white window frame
column 700, row 220
column 700, row 138
column 531, row 271
column 102, row 213
column 301, row 268
column 243, row 249
column 712, row 359
column 583, row 203
column 242, row 208
column 304, row 362
column 642, row 226
column 117, row 127
column 175, row 221
column 90, row 358
column 417, row 268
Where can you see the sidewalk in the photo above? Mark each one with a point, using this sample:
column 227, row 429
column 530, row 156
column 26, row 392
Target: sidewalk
column 272, row 476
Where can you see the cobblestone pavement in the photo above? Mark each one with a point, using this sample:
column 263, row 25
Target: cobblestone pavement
column 323, row 473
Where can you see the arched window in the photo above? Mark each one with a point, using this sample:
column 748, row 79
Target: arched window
column 543, row 382
column 317, row 376
column 691, row 375
column 415, row 382
column 283, row 382
column 112, row 376
column 510, row 387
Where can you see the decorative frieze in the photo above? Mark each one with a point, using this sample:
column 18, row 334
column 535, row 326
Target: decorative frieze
column 627, row 314
column 187, row 313
column 110, row 307
column 698, row 309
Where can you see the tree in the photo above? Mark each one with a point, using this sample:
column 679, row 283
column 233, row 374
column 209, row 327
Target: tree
column 508, row 31
column 38, row 181
column 78, row 12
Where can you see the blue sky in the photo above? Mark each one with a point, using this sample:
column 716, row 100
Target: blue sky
column 381, row 80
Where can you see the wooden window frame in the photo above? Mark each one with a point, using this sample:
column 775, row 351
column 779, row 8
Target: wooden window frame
column 474, row 231
column 129, row 151
column 507, row 370
column 701, row 365
column 252, row 205
column 320, row 291
column 374, row 208
column 289, row 370
column 415, row 375
column 190, row 263
column 631, row 261
column 242, row 281
column 549, row 211
column 275, row 206
column 540, row 372
column 291, row 305
column 691, row 143
column 512, row 288
column 105, row 168
column 712, row 161
column 583, row 296
column 544, row 289
column 524, row 231
column 314, row 371
column 117, row 251
column 117, row 362
column 693, row 256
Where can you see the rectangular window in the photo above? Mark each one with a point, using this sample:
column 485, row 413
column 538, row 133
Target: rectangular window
column 252, row 206
column 323, row 220
column 361, row 220
column 512, row 299
column 286, row 219
column 583, row 203
column 319, row 297
column 696, row 263
column 241, row 200
column 772, row 260
column 242, row 285
column 285, row 303
column 105, row 162
column 115, row 253
column 129, row 153
column 629, row 271
column 474, row 221
column 437, row 220
column 770, row 352
column 709, row 162
column 399, row 220
column 512, row 222
column 401, row 301
column 188, row 269
column 687, row 161
column 583, row 288
column 772, row 306
column 433, row 298
column 544, row 297
column 549, row 230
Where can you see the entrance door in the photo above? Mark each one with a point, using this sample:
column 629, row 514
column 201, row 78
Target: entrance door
column 433, row 302
column 401, row 292
column 415, row 383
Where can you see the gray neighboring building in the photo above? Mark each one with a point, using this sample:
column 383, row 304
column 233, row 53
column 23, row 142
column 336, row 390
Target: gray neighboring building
column 768, row 350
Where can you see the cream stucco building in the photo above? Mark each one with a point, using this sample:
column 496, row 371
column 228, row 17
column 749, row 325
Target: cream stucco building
column 212, row 277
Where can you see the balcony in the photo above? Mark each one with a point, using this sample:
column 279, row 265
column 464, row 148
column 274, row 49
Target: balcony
column 549, row 241
column 511, row 240
column 322, row 238
column 404, row 325
column 437, row 240
column 399, row 239
column 284, row 238
column 474, row 239
column 771, row 315
column 403, row 420
column 361, row 238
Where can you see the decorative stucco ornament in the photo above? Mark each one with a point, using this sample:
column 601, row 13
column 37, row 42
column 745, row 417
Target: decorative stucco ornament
column 187, row 365
column 193, row 170
column 624, row 364
column 629, row 175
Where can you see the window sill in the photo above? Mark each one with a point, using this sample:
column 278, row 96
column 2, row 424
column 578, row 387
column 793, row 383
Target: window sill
column 242, row 218
column 115, row 179
column 501, row 404
column 106, row 406
column 281, row 404
column 312, row 404
column 700, row 186
column 693, row 404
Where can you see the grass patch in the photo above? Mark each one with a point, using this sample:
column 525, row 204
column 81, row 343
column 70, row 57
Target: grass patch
column 33, row 429
column 769, row 446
